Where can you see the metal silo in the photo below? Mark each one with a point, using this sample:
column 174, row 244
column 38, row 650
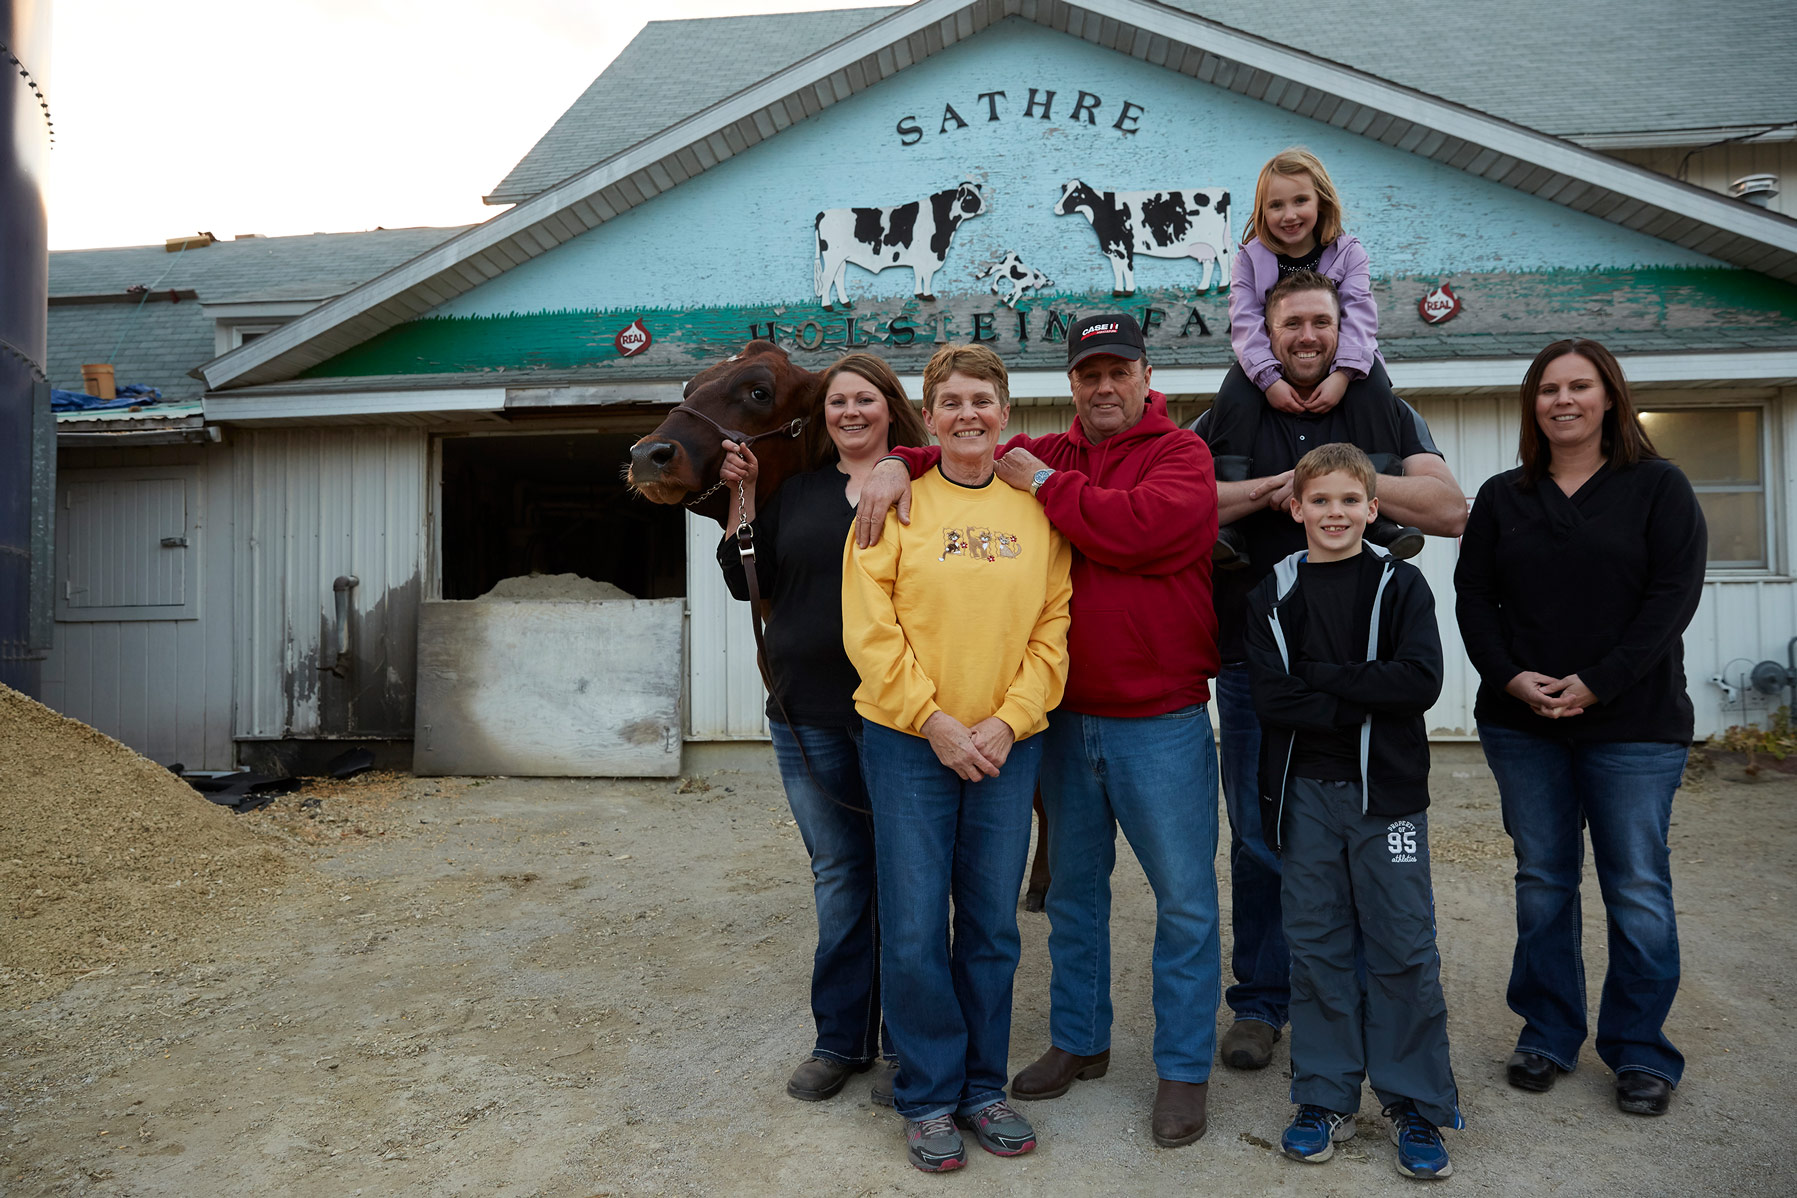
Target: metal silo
column 27, row 430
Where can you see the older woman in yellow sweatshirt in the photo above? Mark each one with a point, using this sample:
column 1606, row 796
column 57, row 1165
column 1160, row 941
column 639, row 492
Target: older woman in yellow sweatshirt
column 957, row 625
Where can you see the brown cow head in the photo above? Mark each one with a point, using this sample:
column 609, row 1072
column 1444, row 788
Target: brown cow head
column 754, row 391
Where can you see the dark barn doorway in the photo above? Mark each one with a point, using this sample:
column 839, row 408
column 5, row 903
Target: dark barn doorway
column 554, row 503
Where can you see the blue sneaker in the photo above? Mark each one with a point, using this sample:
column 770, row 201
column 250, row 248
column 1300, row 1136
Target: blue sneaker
column 1314, row 1133
column 1421, row 1154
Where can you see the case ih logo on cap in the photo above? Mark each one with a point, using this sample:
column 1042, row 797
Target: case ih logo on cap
column 1097, row 329
column 634, row 339
column 1439, row 305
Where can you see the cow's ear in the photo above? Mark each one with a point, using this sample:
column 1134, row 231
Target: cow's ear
column 759, row 346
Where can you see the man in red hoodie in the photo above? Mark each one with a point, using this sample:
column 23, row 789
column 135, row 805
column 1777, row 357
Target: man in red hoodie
column 1131, row 742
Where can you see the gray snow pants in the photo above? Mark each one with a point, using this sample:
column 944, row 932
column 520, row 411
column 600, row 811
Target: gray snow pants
column 1343, row 872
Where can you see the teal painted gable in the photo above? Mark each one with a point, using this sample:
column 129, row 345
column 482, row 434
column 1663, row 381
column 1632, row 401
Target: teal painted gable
column 734, row 249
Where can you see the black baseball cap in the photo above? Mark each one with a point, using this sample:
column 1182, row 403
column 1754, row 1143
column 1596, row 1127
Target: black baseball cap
column 1112, row 333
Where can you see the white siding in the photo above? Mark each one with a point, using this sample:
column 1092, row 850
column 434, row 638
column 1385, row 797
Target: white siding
column 161, row 686
column 1718, row 166
column 725, row 697
column 316, row 504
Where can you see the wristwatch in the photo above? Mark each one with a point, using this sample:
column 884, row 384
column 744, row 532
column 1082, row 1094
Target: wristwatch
column 1037, row 479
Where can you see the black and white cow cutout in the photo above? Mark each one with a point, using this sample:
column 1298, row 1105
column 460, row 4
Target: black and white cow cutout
column 1011, row 278
column 917, row 235
column 1191, row 223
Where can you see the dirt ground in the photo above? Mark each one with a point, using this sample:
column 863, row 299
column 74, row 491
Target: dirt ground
column 546, row 987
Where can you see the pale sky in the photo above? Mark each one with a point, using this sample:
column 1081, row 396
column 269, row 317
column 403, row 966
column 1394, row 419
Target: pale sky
column 312, row 116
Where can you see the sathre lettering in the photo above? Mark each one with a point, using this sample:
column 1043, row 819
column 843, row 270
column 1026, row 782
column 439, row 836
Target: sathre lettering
column 1039, row 106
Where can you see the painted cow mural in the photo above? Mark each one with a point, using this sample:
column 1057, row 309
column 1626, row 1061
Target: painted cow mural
column 1193, row 223
column 917, row 235
column 1011, row 278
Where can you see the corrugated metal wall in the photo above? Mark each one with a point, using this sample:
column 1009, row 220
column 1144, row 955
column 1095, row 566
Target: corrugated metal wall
column 161, row 686
column 1748, row 617
column 725, row 698
column 316, row 504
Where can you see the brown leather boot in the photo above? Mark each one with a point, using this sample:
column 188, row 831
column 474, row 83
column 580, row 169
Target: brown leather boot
column 1248, row 1044
column 1054, row 1073
column 1179, row 1112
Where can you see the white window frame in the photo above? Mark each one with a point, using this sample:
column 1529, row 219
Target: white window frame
column 1771, row 474
column 190, row 585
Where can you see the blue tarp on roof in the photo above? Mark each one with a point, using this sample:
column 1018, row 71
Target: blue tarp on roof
column 131, row 395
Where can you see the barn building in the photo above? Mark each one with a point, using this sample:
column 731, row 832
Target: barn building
column 381, row 424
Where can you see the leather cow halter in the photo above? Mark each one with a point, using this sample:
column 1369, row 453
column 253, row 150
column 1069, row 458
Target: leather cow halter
column 745, row 548
column 791, row 429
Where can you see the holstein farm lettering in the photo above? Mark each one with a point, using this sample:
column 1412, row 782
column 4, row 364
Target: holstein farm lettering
column 990, row 107
column 836, row 334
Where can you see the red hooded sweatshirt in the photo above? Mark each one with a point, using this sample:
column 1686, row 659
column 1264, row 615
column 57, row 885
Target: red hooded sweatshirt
column 1140, row 508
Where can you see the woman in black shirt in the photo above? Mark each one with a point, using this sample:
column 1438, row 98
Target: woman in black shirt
column 799, row 537
column 1578, row 574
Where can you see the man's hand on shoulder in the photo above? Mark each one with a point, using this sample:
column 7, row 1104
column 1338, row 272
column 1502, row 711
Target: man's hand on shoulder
column 1018, row 468
column 888, row 485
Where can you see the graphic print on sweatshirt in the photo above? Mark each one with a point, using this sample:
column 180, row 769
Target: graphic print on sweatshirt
column 978, row 543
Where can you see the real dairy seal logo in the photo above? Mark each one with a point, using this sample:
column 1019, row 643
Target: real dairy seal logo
column 633, row 339
column 1439, row 305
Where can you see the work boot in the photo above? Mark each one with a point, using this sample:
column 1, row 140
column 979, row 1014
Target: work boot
column 1248, row 1044
column 882, row 1091
column 1400, row 540
column 1054, row 1073
column 818, row 1078
column 1179, row 1112
column 1231, row 549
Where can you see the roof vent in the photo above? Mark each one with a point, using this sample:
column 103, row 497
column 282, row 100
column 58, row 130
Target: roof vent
column 248, row 236
column 195, row 241
column 1755, row 189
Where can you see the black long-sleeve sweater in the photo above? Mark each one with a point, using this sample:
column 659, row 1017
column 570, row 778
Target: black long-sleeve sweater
column 799, row 537
column 1601, row 584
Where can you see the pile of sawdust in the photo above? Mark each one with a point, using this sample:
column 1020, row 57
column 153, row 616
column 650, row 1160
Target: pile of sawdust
column 107, row 857
column 554, row 588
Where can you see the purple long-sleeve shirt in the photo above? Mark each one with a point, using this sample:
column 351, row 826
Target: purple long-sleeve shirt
column 1255, row 272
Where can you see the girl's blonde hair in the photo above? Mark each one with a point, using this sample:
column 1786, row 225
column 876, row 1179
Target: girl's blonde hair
column 1296, row 160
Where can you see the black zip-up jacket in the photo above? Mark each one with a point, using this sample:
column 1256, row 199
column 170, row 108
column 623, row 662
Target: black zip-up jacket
column 1387, row 694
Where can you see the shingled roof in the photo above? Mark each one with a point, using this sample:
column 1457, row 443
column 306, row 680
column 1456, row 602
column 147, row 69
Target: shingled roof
column 669, row 71
column 157, row 342
column 1605, row 73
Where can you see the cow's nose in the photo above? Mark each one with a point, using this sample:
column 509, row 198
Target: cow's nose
column 649, row 458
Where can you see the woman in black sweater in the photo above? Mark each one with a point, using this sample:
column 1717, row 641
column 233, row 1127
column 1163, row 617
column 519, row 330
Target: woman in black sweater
column 799, row 537
column 1578, row 574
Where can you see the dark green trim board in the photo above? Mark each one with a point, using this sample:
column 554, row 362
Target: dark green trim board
column 1652, row 308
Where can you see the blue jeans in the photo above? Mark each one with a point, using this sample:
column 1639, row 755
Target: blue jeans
column 1260, row 961
column 948, row 989
column 1157, row 777
column 845, row 974
column 1623, row 791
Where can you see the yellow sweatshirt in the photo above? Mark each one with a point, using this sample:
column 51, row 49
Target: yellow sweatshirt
column 963, row 611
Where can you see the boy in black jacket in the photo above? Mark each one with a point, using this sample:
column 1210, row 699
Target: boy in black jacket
column 1345, row 660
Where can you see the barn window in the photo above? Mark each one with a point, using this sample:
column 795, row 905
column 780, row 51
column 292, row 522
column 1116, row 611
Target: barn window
column 1723, row 452
column 127, row 544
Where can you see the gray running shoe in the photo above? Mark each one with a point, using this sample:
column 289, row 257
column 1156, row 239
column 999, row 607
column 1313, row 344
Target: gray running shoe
column 934, row 1145
column 999, row 1129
